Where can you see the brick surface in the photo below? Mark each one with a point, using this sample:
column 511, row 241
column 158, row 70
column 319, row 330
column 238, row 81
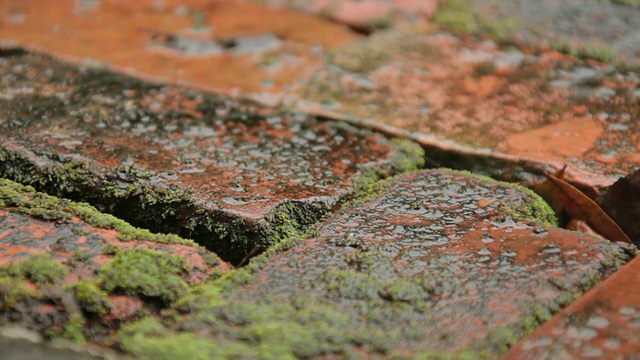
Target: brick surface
column 233, row 176
column 221, row 45
column 481, row 106
column 604, row 323
column 443, row 262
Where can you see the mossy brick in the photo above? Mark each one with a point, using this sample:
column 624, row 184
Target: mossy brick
column 440, row 264
column 52, row 267
column 234, row 177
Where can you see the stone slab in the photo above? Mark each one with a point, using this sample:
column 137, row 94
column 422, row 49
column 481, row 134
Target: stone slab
column 233, row 176
column 604, row 323
column 438, row 263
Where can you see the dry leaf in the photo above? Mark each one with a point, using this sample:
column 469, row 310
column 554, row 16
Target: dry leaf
column 622, row 202
column 579, row 206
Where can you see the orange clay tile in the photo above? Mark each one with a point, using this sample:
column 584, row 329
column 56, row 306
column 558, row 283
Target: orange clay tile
column 129, row 36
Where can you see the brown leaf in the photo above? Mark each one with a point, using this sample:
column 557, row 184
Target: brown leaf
column 579, row 206
column 622, row 202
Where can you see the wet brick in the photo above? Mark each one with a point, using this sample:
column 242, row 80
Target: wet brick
column 58, row 265
column 604, row 323
column 442, row 263
column 234, row 177
column 509, row 112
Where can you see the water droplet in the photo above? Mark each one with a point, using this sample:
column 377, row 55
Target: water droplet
column 627, row 311
column 487, row 239
column 509, row 253
column 598, row 322
column 612, row 343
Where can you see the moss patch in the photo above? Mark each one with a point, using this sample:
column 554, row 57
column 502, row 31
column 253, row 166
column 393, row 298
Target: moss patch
column 145, row 272
column 535, row 210
column 463, row 16
column 595, row 51
column 14, row 292
column 90, row 298
column 40, row 269
column 25, row 199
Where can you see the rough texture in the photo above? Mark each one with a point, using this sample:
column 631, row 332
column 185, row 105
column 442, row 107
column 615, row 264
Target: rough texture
column 234, row 177
column 476, row 103
column 604, row 323
column 439, row 263
column 479, row 105
column 223, row 45
column 70, row 272
column 587, row 28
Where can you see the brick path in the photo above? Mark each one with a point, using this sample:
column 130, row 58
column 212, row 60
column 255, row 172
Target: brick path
column 291, row 137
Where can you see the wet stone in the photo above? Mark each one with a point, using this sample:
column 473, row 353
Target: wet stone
column 393, row 276
column 71, row 272
column 232, row 176
column 609, row 314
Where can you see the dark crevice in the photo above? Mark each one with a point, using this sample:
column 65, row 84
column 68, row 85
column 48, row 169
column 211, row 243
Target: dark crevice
column 11, row 52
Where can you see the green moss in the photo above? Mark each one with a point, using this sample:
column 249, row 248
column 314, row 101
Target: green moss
column 537, row 210
column 595, row 51
column 408, row 156
column 411, row 156
column 147, row 203
column 145, row 272
column 14, row 292
column 41, row 269
column 458, row 15
column 90, row 298
column 348, row 284
column 110, row 249
column 73, row 329
column 632, row 3
column 26, row 200
column 464, row 17
column 149, row 339
column 79, row 256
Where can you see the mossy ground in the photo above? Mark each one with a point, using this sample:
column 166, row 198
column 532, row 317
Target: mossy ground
column 463, row 16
